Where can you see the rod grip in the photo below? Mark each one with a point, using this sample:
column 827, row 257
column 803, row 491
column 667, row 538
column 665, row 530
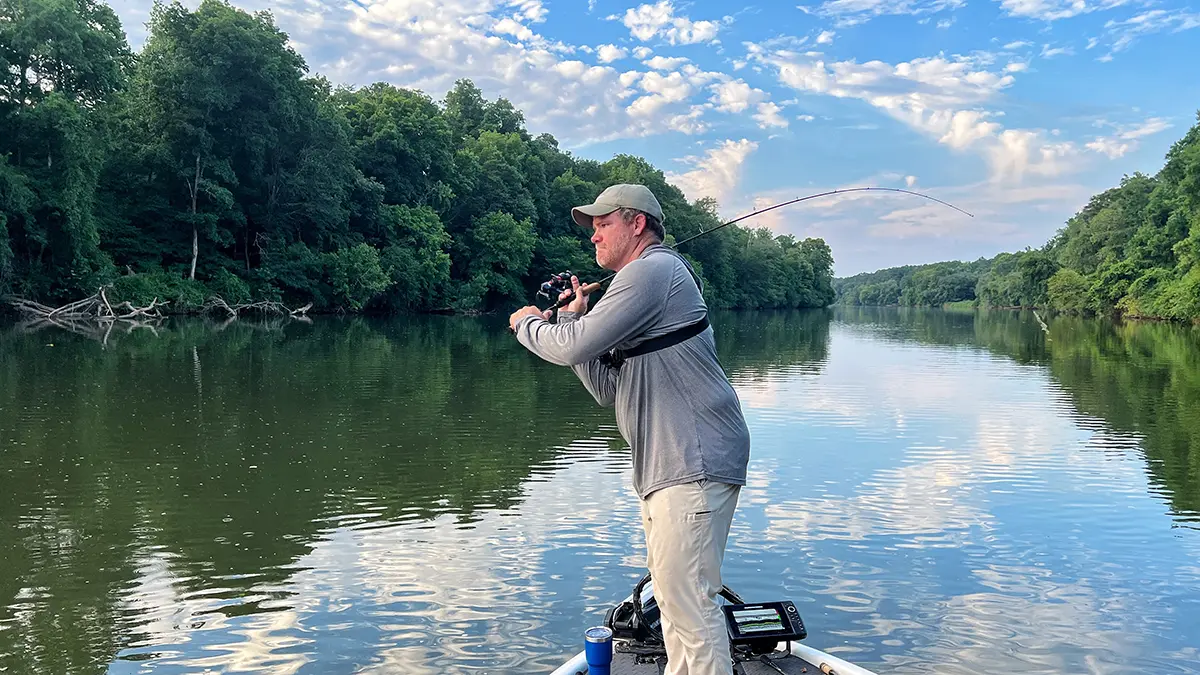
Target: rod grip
column 586, row 288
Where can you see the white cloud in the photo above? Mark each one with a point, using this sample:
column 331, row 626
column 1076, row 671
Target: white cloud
column 672, row 86
column 1018, row 44
column 735, row 96
column 1016, row 67
column 308, row 21
column 1052, row 10
column 1122, row 34
column 642, row 52
column 665, row 62
column 963, row 127
column 660, row 90
column 1150, row 126
column 1107, row 145
column 920, row 84
column 428, row 44
column 939, row 97
column 609, row 53
column 805, row 118
column 531, row 10
column 645, row 22
column 1023, row 152
column 851, row 12
column 768, row 116
column 1126, row 138
column 826, row 37
column 717, row 173
column 1049, row 52
column 508, row 26
column 945, row 23
column 910, row 181
column 689, row 123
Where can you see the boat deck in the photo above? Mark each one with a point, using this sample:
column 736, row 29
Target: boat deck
column 625, row 663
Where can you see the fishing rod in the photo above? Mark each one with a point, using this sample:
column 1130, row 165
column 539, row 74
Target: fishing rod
column 562, row 281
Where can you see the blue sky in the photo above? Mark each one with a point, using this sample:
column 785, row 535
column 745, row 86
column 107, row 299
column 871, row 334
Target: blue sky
column 1015, row 110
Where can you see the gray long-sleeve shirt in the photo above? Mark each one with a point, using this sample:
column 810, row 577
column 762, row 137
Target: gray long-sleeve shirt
column 675, row 406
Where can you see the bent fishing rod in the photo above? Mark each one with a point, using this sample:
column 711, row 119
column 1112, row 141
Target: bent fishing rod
column 562, row 282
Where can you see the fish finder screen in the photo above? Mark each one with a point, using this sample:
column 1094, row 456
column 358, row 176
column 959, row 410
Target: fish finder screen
column 763, row 621
column 750, row 621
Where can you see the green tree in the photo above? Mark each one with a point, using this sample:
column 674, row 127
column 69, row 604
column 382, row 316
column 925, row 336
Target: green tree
column 503, row 249
column 403, row 141
column 416, row 260
column 252, row 155
column 1068, row 290
column 212, row 163
column 356, row 276
column 58, row 60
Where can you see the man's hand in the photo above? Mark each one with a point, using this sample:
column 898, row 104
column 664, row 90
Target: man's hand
column 524, row 312
column 580, row 304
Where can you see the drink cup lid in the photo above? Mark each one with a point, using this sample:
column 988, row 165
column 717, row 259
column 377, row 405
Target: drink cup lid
column 598, row 634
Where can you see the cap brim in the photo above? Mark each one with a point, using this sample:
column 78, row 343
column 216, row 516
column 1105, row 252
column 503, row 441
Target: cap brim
column 583, row 214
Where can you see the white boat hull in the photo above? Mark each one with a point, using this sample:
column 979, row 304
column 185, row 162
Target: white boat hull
column 826, row 663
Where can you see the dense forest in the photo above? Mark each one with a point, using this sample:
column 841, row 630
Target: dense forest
column 212, row 163
column 1132, row 250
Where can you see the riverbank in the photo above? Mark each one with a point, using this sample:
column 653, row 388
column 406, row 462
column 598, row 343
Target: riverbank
column 973, row 305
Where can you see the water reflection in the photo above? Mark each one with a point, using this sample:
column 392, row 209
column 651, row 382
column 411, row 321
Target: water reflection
column 1136, row 385
column 940, row 492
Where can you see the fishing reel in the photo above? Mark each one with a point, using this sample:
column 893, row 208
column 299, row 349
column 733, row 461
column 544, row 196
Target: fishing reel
column 555, row 286
column 558, row 283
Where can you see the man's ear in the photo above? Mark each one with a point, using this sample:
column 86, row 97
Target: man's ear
column 639, row 224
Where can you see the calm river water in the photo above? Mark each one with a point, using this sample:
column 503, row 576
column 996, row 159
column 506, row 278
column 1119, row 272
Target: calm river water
column 938, row 492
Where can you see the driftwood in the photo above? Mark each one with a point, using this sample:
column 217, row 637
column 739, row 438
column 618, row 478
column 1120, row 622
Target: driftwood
column 218, row 304
column 92, row 308
column 94, row 316
column 98, row 308
column 1045, row 328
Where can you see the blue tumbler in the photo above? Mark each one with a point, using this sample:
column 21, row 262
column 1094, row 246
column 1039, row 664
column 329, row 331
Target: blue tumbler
column 597, row 648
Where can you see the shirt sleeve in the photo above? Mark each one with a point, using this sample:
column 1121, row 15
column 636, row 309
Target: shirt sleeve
column 599, row 379
column 634, row 302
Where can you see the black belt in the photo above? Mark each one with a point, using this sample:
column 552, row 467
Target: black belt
column 616, row 357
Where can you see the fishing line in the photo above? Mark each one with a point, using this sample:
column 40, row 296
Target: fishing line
column 557, row 281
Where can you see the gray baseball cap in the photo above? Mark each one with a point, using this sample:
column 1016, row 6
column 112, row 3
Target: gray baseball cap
column 623, row 195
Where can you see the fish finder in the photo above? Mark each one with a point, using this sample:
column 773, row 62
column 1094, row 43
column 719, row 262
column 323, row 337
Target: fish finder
column 763, row 625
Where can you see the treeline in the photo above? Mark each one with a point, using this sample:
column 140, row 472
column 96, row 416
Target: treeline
column 1133, row 250
column 211, row 163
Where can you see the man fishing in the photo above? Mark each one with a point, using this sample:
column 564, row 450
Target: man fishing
column 646, row 348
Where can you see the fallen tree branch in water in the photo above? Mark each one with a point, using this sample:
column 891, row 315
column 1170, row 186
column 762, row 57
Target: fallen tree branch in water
column 94, row 307
column 217, row 303
column 1045, row 328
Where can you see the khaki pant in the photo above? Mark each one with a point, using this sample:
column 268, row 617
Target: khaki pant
column 686, row 529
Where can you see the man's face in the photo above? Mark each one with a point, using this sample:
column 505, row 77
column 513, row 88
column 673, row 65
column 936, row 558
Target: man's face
column 615, row 239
